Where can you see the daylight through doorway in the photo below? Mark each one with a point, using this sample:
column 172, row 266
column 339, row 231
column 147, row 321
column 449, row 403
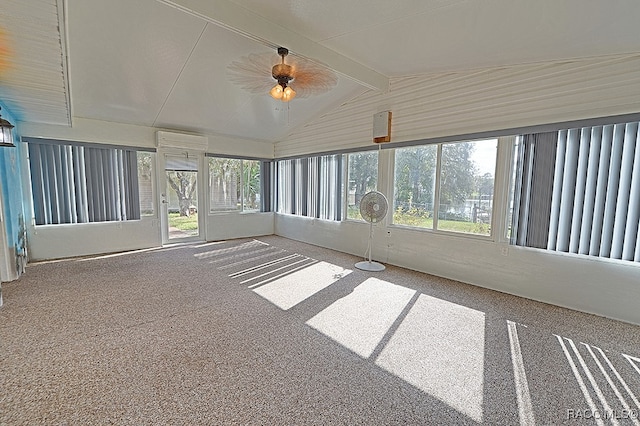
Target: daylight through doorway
column 181, row 197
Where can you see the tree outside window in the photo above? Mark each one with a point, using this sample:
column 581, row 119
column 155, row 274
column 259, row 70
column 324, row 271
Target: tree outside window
column 363, row 174
column 465, row 183
column 251, row 187
column 234, row 184
column 415, row 177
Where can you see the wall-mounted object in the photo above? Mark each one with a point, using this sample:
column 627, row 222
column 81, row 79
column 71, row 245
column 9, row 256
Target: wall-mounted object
column 382, row 127
column 6, row 134
column 181, row 141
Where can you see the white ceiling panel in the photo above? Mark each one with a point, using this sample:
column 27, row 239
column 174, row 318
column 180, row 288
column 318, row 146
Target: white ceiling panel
column 264, row 118
column 472, row 35
column 323, row 20
column 126, row 56
column 216, row 105
column 163, row 63
column 203, row 85
column 418, row 37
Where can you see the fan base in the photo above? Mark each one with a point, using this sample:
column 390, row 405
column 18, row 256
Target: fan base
column 370, row 266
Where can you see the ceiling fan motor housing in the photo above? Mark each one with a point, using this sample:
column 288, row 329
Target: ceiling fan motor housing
column 282, row 72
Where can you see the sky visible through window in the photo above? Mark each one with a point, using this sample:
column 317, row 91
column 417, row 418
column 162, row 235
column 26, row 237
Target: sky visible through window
column 484, row 156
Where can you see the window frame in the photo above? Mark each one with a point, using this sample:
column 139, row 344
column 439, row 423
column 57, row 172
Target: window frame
column 346, row 182
column 498, row 192
column 152, row 168
column 108, row 173
column 241, row 198
column 607, row 215
column 309, row 181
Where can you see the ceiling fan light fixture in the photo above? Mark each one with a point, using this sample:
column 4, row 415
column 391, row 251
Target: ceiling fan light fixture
column 283, row 73
column 287, row 94
column 300, row 78
column 277, row 92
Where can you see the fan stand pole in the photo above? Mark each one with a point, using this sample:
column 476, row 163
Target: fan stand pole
column 369, row 265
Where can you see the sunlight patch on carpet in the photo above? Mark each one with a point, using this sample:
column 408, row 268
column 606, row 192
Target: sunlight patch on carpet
column 360, row 320
column 293, row 288
column 439, row 348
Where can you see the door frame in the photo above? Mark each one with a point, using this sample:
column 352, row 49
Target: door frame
column 163, row 205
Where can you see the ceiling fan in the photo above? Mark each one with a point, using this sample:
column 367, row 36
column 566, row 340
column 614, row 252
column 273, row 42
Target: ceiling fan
column 299, row 77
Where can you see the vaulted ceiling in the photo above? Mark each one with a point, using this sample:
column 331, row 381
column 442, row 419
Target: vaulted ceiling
column 163, row 63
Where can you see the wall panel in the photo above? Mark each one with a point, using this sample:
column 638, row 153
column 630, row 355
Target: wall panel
column 432, row 106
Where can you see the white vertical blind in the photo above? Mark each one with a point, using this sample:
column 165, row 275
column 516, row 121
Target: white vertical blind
column 557, row 191
column 605, row 135
column 310, row 186
column 612, row 190
column 580, row 188
column 633, row 212
column 568, row 188
column 595, row 199
column 64, row 192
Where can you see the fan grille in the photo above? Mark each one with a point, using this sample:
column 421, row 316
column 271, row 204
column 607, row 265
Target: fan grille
column 373, row 206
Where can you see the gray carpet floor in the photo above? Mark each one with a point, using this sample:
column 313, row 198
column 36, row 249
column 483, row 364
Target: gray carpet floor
column 270, row 331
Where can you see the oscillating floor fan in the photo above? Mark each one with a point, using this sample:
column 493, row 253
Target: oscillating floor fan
column 373, row 208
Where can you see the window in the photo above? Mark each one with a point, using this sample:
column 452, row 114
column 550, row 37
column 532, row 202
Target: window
column 448, row 187
column 80, row 183
column 362, row 178
column 250, row 185
column 234, row 184
column 310, row 187
column 415, row 180
column 146, row 182
column 578, row 191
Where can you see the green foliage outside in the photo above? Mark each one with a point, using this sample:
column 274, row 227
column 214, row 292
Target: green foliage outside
column 363, row 173
column 422, row 219
column 353, row 212
column 227, row 191
column 414, row 192
column 183, row 223
column 251, row 178
column 418, row 220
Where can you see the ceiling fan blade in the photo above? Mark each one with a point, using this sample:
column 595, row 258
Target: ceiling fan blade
column 311, row 78
column 253, row 72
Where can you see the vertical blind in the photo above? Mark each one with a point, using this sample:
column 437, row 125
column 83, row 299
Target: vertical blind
column 267, row 182
column 585, row 196
column 310, row 186
column 79, row 184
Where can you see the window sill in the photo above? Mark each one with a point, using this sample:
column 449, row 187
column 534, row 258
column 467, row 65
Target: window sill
column 441, row 232
column 235, row 212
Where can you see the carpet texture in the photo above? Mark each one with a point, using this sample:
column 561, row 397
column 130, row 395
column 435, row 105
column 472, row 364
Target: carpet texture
column 270, row 331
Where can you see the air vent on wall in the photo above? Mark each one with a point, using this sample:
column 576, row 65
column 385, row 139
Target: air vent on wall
column 181, row 141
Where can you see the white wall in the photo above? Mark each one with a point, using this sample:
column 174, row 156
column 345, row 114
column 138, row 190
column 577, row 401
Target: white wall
column 603, row 287
column 223, row 226
column 449, row 104
column 86, row 130
column 479, row 101
column 60, row 241
column 423, row 107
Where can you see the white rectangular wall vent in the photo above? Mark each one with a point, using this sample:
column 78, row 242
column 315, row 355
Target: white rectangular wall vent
column 181, row 141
